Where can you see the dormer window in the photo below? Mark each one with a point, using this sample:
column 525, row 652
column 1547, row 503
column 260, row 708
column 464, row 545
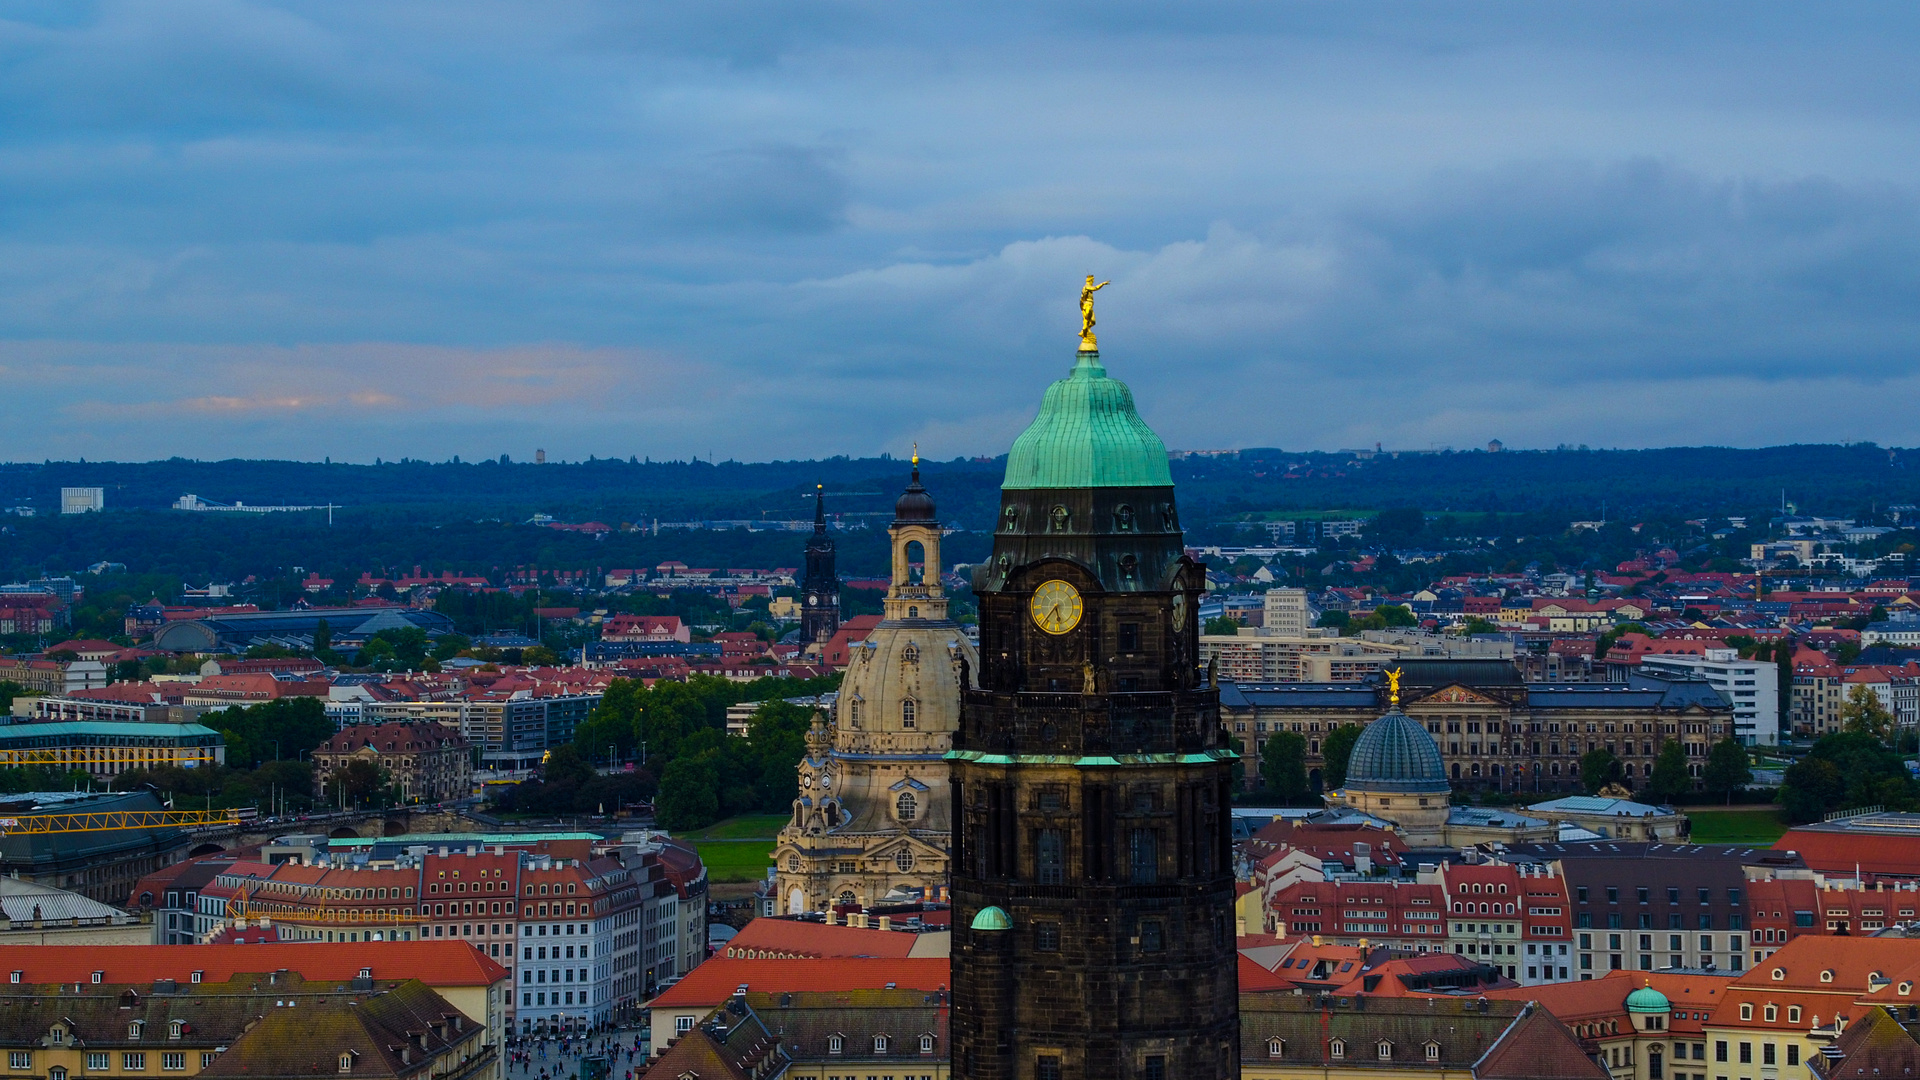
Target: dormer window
column 879, row 1044
column 1276, row 1047
column 1746, row 1012
column 835, row 1044
column 1793, row 1014
column 1779, row 974
column 1384, row 1050
column 1337, row 1049
column 1433, row 1051
column 346, row 1061
column 1772, row 1013
column 134, row 1029
column 175, row 1028
column 1826, row 976
column 926, row 1044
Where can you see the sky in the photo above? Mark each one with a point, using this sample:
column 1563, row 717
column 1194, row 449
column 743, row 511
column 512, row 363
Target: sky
column 792, row 230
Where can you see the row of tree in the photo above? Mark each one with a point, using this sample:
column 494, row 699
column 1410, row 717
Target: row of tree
column 674, row 735
column 1285, row 779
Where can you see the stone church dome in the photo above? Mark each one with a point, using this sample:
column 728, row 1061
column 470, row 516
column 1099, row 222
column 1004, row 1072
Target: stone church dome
column 915, row 506
column 1396, row 754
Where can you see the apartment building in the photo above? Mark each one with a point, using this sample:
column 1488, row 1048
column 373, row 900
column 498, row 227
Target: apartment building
column 1751, row 686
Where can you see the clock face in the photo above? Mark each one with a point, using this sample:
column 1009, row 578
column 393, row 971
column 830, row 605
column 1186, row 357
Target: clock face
column 1056, row 607
column 812, row 600
column 1179, row 611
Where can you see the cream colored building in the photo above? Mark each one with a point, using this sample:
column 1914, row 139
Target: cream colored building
column 873, row 813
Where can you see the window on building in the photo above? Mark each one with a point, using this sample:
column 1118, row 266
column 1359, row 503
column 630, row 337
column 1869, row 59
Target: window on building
column 1276, row 1047
column 1046, row 1067
column 173, row 1062
column 1152, row 936
column 1144, row 856
column 20, row 1059
column 1156, row 1068
column 1050, row 857
column 133, row 1061
column 99, row 1062
column 908, row 710
column 906, row 806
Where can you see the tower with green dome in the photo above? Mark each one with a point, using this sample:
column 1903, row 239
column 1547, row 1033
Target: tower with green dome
column 1092, row 880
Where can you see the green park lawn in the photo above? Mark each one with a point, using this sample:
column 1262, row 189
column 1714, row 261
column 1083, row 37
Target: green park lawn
column 736, row 848
column 1758, row 825
column 744, row 827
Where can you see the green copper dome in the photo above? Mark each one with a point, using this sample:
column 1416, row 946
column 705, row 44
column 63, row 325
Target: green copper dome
column 1087, row 436
column 1647, row 1000
column 992, row 918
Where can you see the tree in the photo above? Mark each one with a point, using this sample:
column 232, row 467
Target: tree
column 322, row 638
column 1811, row 787
column 689, row 794
column 1727, row 769
column 361, row 782
column 1864, row 772
column 1335, row 750
column 1864, row 713
column 1283, row 766
column 1220, row 624
column 1598, row 768
column 1670, row 782
column 1478, row 625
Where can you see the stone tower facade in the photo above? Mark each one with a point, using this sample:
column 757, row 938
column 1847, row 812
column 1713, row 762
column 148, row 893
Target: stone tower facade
column 1093, row 887
column 819, row 585
column 874, row 814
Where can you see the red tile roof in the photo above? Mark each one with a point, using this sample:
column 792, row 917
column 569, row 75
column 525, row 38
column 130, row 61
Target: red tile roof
column 436, row 963
column 715, row 981
column 791, row 939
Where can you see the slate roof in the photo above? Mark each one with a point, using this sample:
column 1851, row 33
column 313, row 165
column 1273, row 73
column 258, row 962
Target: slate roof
column 1508, row 1038
column 384, row 1031
column 805, row 1022
column 1873, row 1046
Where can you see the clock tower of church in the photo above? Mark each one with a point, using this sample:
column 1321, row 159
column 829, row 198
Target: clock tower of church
column 1092, row 875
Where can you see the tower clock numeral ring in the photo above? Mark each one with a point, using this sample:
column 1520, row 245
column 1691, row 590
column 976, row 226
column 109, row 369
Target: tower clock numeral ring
column 1056, row 607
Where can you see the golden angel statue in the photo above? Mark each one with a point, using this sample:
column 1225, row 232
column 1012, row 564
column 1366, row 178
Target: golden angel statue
column 1393, row 685
column 1087, row 343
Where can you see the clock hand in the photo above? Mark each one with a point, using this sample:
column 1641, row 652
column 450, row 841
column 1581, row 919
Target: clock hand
column 1053, row 614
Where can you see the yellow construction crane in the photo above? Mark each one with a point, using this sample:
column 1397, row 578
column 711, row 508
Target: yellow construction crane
column 101, row 759
column 109, row 820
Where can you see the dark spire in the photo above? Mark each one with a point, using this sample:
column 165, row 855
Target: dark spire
column 819, row 509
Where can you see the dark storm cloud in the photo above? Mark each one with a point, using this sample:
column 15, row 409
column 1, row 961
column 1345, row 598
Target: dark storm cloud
column 793, row 229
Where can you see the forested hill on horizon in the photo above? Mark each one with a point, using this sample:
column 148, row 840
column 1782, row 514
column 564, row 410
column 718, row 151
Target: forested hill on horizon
column 1849, row 479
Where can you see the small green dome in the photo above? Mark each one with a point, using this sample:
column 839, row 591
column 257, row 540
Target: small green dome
column 993, row 918
column 1647, row 1000
column 1087, row 436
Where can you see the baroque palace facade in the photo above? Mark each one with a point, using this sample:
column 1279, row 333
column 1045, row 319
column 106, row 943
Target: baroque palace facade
column 873, row 813
column 1495, row 730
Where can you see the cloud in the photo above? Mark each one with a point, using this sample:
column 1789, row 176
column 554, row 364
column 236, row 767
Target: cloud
column 775, row 229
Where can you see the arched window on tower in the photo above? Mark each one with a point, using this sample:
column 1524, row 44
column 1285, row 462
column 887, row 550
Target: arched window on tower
column 853, row 711
column 910, row 654
column 906, row 806
column 908, row 709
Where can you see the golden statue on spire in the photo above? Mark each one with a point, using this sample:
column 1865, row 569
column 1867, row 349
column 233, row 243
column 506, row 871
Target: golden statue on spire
column 1087, row 343
column 916, row 454
column 1393, row 686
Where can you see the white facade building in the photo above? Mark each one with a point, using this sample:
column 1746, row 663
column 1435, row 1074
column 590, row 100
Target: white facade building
column 1286, row 613
column 1753, row 686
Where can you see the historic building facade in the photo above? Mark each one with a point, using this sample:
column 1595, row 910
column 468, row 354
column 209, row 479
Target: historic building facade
column 1493, row 729
column 873, row 813
column 820, row 585
column 1092, row 888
